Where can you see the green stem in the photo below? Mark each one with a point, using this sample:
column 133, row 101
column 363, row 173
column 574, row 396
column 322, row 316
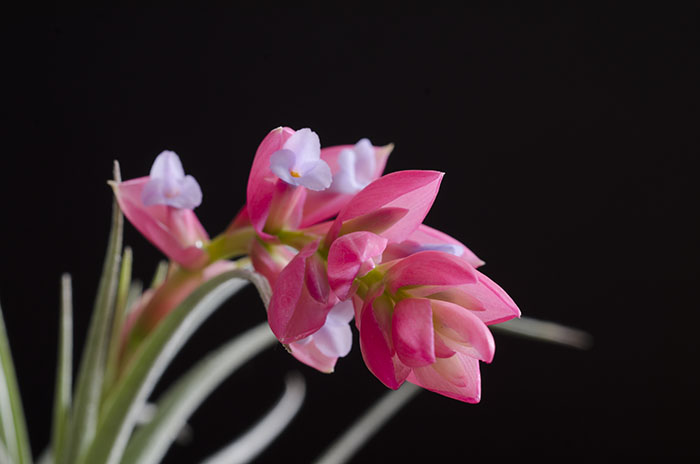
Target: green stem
column 295, row 239
column 230, row 244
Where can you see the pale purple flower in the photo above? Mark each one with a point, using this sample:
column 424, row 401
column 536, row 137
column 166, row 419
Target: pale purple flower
column 299, row 161
column 168, row 184
column 333, row 340
column 357, row 168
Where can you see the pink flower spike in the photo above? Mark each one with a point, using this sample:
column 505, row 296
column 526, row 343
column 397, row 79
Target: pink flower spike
column 325, row 204
column 168, row 184
column 176, row 232
column 428, row 268
column 299, row 161
column 414, row 191
column 412, row 332
column 351, row 256
column 301, row 297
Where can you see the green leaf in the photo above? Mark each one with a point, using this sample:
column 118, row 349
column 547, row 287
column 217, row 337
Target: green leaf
column 118, row 322
column 135, row 293
column 4, row 455
column 160, row 274
column 64, row 374
column 368, row 425
column 92, row 366
column 546, row 331
column 13, row 429
column 123, row 406
column 150, row 442
column 248, row 446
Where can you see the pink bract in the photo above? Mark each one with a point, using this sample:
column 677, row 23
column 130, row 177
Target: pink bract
column 301, row 297
column 261, row 182
column 351, row 256
column 176, row 232
column 412, row 191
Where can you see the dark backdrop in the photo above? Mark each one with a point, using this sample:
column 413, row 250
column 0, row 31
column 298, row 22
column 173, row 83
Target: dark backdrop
column 567, row 136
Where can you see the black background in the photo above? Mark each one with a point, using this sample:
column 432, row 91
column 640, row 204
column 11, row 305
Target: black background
column 568, row 137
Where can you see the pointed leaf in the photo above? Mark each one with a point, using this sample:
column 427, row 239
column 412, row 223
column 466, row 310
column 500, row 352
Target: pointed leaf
column 122, row 407
column 247, row 447
column 13, row 428
column 151, row 442
column 546, row 331
column 119, row 319
column 160, row 274
column 64, row 376
column 368, row 425
column 92, row 365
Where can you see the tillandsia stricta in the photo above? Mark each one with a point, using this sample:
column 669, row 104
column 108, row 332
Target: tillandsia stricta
column 325, row 238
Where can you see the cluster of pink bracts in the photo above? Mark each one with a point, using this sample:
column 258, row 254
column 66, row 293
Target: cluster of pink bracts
column 336, row 240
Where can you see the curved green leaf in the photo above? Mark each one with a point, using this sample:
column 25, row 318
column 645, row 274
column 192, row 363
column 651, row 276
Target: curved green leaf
column 118, row 320
column 546, row 331
column 4, row 455
column 13, row 429
column 150, row 442
column 92, row 366
column 248, row 446
column 64, row 373
column 122, row 407
column 368, row 425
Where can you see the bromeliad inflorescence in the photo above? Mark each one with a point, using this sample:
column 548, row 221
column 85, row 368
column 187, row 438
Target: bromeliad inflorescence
column 336, row 240
column 325, row 238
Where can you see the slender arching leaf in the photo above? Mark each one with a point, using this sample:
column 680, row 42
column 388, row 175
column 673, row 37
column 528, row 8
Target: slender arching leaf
column 160, row 274
column 118, row 320
column 150, row 442
column 135, row 293
column 64, row 373
column 4, row 455
column 122, row 407
column 369, row 424
column 248, row 446
column 13, row 429
column 92, row 366
column 545, row 331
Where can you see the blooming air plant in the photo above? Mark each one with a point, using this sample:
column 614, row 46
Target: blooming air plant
column 330, row 242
